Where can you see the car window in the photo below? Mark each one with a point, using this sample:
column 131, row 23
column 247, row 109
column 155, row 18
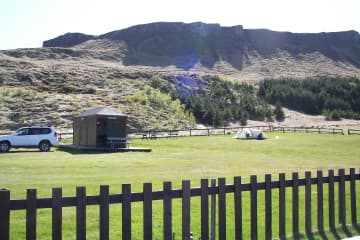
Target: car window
column 22, row 131
column 34, row 131
column 45, row 130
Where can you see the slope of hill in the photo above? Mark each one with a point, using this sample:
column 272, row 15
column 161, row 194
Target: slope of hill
column 245, row 54
column 75, row 71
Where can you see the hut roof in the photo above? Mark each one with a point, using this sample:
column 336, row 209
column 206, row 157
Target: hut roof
column 101, row 111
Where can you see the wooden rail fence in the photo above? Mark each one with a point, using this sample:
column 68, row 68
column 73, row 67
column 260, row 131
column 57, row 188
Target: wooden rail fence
column 57, row 202
column 153, row 134
column 354, row 131
column 309, row 130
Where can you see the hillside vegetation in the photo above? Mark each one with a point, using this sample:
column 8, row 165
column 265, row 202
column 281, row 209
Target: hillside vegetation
column 333, row 97
column 212, row 70
column 45, row 92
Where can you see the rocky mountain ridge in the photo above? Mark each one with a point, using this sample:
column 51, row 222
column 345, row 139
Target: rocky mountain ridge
column 186, row 45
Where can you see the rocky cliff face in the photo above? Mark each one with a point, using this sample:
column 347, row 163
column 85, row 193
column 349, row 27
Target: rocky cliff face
column 186, row 45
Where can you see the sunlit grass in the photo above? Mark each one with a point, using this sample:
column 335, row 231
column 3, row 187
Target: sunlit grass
column 173, row 159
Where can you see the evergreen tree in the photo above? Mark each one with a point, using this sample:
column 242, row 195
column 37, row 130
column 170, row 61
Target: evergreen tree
column 279, row 113
column 244, row 116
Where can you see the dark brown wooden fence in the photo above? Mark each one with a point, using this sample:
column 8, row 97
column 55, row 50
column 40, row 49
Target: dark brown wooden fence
column 342, row 184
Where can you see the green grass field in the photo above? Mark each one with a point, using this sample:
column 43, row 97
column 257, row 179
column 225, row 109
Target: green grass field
column 173, row 159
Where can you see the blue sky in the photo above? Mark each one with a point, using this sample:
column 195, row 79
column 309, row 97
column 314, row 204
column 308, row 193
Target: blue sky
column 27, row 23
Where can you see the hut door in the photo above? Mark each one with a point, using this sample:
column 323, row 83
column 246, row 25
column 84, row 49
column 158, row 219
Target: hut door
column 101, row 137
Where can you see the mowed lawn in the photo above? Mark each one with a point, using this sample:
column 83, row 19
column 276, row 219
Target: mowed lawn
column 172, row 159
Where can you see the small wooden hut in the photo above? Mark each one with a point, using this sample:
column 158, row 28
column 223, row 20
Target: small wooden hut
column 100, row 127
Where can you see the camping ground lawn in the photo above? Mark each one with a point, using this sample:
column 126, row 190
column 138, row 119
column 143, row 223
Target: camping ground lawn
column 171, row 159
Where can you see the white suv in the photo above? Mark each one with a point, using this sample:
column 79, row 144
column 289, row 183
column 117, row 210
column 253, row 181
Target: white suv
column 29, row 137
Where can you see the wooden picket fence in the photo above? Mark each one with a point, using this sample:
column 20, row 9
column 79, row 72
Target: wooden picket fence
column 206, row 192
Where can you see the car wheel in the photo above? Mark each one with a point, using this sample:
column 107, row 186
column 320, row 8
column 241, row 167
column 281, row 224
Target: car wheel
column 4, row 146
column 44, row 146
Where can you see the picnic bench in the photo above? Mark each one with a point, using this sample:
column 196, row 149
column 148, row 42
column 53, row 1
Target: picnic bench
column 121, row 142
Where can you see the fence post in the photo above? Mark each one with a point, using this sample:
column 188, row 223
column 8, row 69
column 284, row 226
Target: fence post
column 104, row 212
column 126, row 211
column 268, row 207
column 31, row 214
column 331, row 200
column 80, row 213
column 56, row 214
column 282, row 207
column 147, row 210
column 342, row 202
column 222, row 208
column 295, row 205
column 353, row 196
column 186, row 194
column 4, row 214
column 167, row 211
column 253, row 206
column 213, row 211
column 320, row 202
column 238, row 208
column 308, row 203
column 204, row 209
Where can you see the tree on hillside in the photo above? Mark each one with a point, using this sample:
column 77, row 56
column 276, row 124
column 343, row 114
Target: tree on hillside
column 244, row 116
column 279, row 112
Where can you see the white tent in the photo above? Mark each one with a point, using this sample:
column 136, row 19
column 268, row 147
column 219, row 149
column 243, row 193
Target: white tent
column 250, row 133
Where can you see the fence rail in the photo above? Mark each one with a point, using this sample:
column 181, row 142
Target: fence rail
column 57, row 202
column 309, row 130
column 153, row 134
column 353, row 131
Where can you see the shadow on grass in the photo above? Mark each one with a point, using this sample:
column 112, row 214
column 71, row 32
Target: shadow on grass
column 25, row 151
column 330, row 234
column 310, row 236
column 323, row 235
column 357, row 228
column 346, row 231
column 335, row 233
column 79, row 152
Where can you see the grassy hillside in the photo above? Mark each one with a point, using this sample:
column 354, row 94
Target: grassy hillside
column 36, row 91
column 173, row 160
